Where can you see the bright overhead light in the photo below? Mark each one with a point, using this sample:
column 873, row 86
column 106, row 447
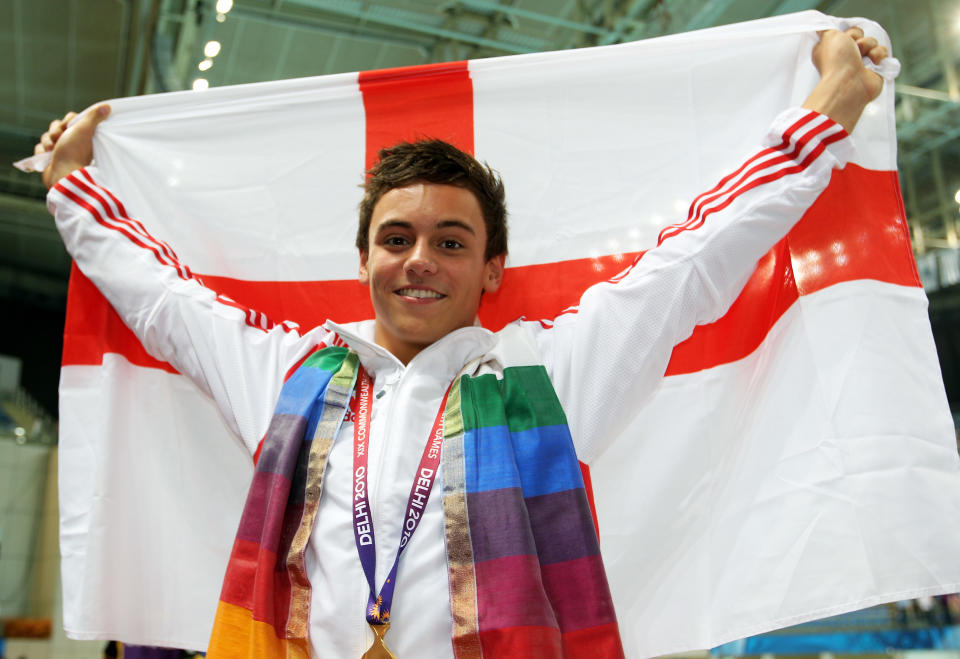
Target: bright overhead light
column 956, row 197
column 205, row 64
column 223, row 6
column 211, row 49
column 200, row 84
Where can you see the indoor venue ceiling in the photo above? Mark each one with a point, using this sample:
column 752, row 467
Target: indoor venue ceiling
column 67, row 54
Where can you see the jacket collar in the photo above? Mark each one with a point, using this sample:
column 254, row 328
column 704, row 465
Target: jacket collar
column 443, row 358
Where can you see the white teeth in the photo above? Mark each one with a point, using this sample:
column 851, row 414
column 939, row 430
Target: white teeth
column 418, row 292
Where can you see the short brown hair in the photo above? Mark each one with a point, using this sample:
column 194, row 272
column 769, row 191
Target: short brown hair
column 436, row 161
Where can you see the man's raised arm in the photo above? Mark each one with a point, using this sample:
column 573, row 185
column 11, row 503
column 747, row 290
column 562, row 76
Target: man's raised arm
column 611, row 354
column 234, row 354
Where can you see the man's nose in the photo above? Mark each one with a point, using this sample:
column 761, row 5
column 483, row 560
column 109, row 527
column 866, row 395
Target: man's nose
column 421, row 260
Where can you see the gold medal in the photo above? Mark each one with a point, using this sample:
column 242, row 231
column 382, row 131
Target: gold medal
column 379, row 649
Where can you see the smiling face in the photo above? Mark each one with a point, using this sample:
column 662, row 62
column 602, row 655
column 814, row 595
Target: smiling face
column 425, row 265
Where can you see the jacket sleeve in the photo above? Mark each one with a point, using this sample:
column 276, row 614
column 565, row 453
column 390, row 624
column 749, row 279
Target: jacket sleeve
column 232, row 353
column 608, row 355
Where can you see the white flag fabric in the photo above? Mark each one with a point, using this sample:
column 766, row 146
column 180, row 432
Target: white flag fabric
column 798, row 460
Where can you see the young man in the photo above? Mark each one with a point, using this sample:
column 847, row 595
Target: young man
column 507, row 554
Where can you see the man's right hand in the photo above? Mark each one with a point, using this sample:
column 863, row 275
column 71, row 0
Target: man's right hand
column 72, row 147
column 846, row 86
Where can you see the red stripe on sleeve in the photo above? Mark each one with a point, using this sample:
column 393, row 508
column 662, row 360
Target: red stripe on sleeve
column 701, row 199
column 122, row 213
column 696, row 219
column 96, row 211
column 768, row 178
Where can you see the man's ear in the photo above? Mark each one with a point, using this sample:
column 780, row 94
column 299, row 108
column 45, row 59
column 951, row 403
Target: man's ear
column 364, row 275
column 493, row 273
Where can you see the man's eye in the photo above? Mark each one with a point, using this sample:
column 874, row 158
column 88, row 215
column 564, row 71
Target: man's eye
column 395, row 241
column 451, row 244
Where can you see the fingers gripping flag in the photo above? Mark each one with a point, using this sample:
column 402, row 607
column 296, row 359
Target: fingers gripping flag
column 797, row 461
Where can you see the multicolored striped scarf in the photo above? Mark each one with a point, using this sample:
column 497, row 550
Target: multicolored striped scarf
column 526, row 577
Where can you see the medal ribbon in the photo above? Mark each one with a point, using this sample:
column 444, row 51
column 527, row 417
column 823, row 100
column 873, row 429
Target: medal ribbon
column 378, row 606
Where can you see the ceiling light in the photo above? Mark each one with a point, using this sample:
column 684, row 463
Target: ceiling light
column 223, row 6
column 956, row 197
column 200, row 84
column 211, row 49
column 205, row 64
